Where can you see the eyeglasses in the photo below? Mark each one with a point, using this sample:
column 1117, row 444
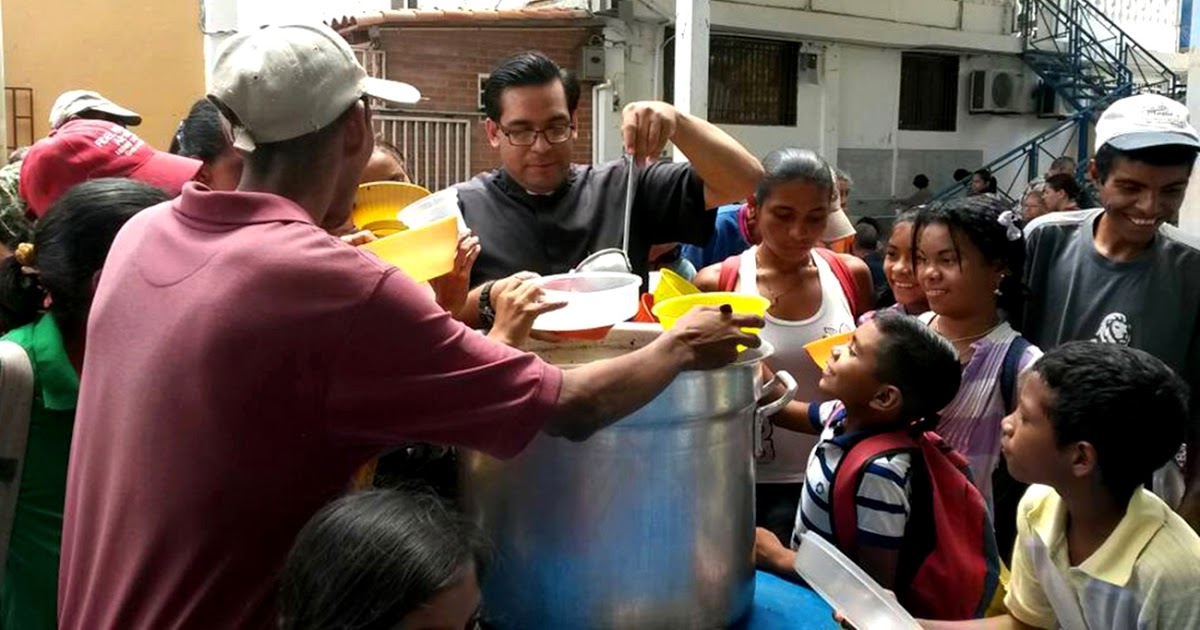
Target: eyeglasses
column 557, row 134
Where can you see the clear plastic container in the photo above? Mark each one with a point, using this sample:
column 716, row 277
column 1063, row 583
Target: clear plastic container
column 848, row 589
column 439, row 205
column 595, row 299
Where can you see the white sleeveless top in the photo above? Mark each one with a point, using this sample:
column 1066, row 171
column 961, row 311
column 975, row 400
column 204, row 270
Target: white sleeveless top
column 786, row 456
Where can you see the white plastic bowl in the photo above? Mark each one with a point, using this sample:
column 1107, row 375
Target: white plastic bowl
column 595, row 299
column 427, row 210
column 848, row 589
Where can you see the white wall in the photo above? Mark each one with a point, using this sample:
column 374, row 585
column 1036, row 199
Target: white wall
column 1153, row 23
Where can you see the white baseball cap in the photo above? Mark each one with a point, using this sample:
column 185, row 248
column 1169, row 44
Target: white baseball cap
column 75, row 102
column 1143, row 121
column 282, row 82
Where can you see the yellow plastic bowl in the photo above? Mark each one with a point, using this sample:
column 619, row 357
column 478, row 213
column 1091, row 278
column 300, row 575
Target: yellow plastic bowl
column 377, row 203
column 671, row 284
column 423, row 253
column 669, row 311
column 821, row 350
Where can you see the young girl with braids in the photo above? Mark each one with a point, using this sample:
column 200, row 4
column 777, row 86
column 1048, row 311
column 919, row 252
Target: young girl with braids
column 970, row 256
column 894, row 375
column 46, row 290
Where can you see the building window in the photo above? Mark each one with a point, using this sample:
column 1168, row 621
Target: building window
column 19, row 103
column 481, row 86
column 405, row 4
column 750, row 81
column 928, row 92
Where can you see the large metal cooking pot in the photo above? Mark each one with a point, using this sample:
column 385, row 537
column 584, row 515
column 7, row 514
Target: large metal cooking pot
column 647, row 524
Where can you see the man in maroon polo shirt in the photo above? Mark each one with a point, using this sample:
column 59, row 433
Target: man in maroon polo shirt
column 242, row 362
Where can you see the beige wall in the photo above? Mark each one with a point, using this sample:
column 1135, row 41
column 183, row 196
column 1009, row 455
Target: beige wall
column 147, row 56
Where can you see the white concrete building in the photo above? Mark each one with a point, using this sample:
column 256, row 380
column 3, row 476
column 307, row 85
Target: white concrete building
column 883, row 88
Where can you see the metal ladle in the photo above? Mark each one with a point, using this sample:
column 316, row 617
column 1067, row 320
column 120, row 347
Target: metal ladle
column 613, row 259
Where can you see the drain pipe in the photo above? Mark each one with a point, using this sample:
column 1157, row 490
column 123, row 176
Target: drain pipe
column 600, row 116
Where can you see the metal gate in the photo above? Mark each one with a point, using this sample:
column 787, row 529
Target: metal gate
column 437, row 151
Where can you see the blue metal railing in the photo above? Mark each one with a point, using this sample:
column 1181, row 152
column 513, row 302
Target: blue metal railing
column 1088, row 61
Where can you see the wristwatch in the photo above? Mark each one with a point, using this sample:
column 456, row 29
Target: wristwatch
column 487, row 314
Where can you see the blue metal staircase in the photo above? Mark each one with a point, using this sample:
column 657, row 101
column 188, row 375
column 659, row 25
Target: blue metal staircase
column 1088, row 62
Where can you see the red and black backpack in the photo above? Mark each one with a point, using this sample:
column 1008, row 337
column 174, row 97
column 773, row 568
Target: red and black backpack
column 949, row 565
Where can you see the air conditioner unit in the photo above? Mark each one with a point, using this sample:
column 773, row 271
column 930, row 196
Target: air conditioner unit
column 608, row 8
column 996, row 92
column 1047, row 103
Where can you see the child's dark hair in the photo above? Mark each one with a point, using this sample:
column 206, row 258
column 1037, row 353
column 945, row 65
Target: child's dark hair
column 1164, row 155
column 908, row 216
column 788, row 164
column 920, row 363
column 200, row 135
column 1097, row 389
column 1066, row 184
column 69, row 246
column 987, row 178
column 978, row 219
column 369, row 559
column 392, row 150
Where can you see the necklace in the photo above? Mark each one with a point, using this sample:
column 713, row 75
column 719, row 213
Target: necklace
column 985, row 333
column 772, row 296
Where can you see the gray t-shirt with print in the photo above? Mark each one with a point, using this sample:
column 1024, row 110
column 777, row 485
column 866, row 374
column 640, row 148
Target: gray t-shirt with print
column 1151, row 303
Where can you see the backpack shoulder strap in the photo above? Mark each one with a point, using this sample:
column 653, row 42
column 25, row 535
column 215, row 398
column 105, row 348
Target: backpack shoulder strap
column 843, row 510
column 16, row 401
column 1009, row 369
column 844, row 277
column 729, row 273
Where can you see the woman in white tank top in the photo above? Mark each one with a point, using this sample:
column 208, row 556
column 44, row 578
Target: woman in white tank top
column 807, row 303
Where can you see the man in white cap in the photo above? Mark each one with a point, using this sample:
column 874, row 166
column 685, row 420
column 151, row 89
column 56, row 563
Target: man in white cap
column 91, row 105
column 242, row 362
column 1122, row 273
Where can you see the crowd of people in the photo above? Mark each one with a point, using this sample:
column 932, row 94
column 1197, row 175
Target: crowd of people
column 215, row 360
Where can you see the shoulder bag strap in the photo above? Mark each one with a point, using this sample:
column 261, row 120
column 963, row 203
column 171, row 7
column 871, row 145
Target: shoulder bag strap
column 844, row 277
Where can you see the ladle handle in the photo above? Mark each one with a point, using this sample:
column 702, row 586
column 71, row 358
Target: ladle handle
column 763, row 414
column 630, row 186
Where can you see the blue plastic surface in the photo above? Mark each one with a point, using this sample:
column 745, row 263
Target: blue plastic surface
column 780, row 605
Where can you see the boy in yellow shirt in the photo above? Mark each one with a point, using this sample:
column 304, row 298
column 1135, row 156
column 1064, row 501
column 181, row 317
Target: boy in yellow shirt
column 1095, row 550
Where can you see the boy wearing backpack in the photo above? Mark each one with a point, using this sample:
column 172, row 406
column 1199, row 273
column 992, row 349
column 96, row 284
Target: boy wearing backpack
column 887, row 493
column 1095, row 549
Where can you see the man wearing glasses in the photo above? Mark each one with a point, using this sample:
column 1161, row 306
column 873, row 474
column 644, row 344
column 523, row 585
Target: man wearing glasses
column 539, row 212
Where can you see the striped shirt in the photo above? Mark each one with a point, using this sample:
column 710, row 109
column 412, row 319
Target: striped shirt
column 1143, row 577
column 883, row 496
column 971, row 422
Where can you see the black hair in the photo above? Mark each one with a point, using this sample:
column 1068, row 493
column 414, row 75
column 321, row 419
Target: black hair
column 1065, row 183
column 1164, row 155
column 845, row 176
column 1097, row 388
column 987, row 177
column 70, row 244
column 369, row 559
column 871, row 222
column 908, row 216
column 1065, row 164
column 786, row 165
column 525, row 69
column 978, row 219
column 921, row 181
column 961, row 174
column 392, row 150
column 920, row 363
column 200, row 135
column 866, row 236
